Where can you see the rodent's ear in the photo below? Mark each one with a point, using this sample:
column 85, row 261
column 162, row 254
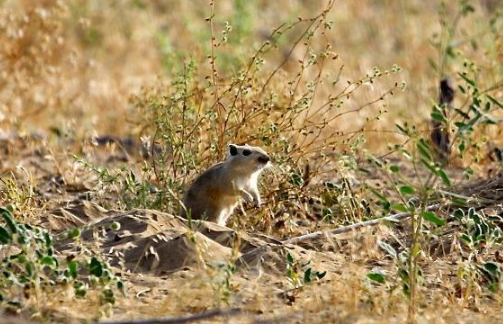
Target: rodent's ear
column 233, row 149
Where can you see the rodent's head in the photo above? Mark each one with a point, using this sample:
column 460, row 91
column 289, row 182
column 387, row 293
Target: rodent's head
column 247, row 158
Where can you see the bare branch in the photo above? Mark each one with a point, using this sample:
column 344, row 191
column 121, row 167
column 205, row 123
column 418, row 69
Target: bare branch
column 182, row 319
column 353, row 227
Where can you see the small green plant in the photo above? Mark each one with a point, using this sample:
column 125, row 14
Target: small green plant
column 31, row 269
column 480, row 234
column 480, row 230
column 408, row 273
column 222, row 282
column 299, row 273
column 132, row 190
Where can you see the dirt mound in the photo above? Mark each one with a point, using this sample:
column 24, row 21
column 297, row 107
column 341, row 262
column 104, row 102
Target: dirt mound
column 148, row 241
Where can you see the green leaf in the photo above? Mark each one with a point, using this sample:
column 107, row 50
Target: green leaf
column 320, row 275
column 307, row 276
column 461, row 126
column 331, row 185
column 403, row 274
column 5, row 237
column 406, row 190
column 49, row 261
column 424, row 149
column 28, row 267
column 73, row 233
column 388, row 248
column 459, row 202
column 494, row 101
column 14, row 304
column 48, row 240
column 96, row 267
column 296, row 179
column 492, row 268
column 120, row 286
column 438, row 116
column 73, row 267
column 459, row 214
column 491, row 271
column 493, row 287
column 472, row 122
column 377, row 277
column 407, row 154
column 394, row 169
column 384, row 200
column 7, row 216
column 461, row 147
column 462, row 113
column 444, row 177
column 399, row 207
column 466, row 238
column 433, row 218
column 487, row 107
column 406, row 289
column 289, row 258
column 468, row 80
column 402, row 129
column 80, row 293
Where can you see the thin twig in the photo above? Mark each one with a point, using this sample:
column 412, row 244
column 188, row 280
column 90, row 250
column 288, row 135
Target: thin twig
column 349, row 228
column 181, row 319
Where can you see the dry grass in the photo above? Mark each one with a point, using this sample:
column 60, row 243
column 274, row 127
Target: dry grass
column 320, row 86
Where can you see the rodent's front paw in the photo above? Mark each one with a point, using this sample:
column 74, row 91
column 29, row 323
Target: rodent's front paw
column 247, row 197
column 258, row 203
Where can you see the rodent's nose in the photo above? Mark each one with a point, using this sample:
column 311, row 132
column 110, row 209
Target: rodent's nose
column 263, row 159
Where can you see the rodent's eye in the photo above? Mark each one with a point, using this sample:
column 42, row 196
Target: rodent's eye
column 246, row 152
